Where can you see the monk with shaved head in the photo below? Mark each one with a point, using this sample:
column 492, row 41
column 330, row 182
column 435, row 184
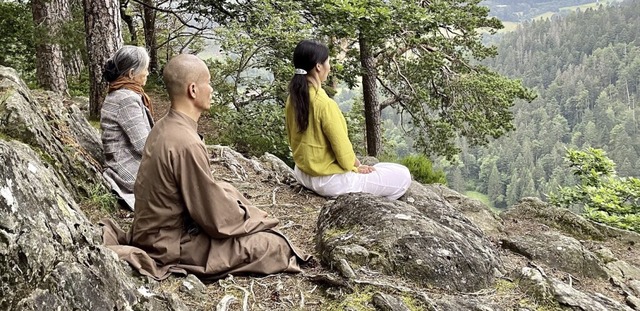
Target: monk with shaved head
column 185, row 221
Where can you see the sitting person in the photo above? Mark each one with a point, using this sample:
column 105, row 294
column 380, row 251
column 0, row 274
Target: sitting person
column 317, row 133
column 185, row 221
column 125, row 119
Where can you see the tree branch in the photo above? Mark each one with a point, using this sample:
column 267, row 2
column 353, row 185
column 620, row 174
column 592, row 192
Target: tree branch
column 392, row 100
column 413, row 91
column 172, row 12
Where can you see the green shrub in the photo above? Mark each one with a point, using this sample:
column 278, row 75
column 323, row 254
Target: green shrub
column 422, row 170
column 79, row 86
column 255, row 129
column 601, row 195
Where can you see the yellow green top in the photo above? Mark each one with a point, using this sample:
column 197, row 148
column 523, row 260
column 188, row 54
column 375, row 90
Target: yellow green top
column 324, row 147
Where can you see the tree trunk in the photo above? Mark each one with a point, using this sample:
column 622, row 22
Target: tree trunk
column 371, row 104
column 48, row 17
column 73, row 62
column 128, row 19
column 104, row 38
column 150, row 38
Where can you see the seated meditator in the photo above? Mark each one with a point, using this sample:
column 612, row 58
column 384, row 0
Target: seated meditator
column 317, row 133
column 125, row 119
column 185, row 221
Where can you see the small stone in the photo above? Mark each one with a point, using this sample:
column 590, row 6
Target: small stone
column 633, row 301
column 635, row 286
column 606, row 255
column 386, row 302
column 403, row 217
column 192, row 286
column 345, row 269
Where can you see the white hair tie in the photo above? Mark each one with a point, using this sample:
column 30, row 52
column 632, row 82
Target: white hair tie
column 301, row 71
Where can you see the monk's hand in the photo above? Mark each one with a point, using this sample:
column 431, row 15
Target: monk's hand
column 365, row 169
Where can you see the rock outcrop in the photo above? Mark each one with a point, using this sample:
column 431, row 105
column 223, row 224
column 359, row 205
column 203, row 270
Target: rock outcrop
column 58, row 132
column 51, row 256
column 429, row 243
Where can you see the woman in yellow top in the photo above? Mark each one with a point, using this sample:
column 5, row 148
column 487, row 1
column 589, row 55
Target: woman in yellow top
column 317, row 133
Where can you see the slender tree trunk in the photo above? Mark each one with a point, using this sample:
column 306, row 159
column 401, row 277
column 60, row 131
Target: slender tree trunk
column 128, row 19
column 150, row 38
column 73, row 64
column 73, row 61
column 48, row 16
column 104, row 38
column 371, row 104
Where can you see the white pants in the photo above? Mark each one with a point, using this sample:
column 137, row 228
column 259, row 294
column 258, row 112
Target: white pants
column 389, row 180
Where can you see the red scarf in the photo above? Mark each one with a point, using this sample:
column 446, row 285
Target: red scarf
column 129, row 84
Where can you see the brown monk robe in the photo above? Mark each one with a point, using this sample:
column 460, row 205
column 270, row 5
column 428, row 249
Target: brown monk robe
column 185, row 221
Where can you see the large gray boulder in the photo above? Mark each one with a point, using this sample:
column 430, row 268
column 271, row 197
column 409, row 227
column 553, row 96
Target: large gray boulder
column 534, row 210
column 50, row 258
column 397, row 239
column 558, row 251
column 452, row 209
column 54, row 129
column 429, row 198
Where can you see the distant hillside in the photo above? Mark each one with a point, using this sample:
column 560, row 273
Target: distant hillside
column 520, row 11
column 586, row 68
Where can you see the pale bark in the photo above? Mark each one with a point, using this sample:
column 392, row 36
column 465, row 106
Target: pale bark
column 104, row 38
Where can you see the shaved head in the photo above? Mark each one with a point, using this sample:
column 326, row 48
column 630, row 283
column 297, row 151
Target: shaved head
column 180, row 72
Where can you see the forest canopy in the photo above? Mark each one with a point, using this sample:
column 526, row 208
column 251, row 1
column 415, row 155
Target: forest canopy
column 586, row 69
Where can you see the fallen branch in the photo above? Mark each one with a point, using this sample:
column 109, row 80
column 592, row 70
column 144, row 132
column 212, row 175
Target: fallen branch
column 273, row 196
column 301, row 299
column 225, row 302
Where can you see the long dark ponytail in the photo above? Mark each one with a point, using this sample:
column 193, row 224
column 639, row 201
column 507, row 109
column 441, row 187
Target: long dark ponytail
column 307, row 54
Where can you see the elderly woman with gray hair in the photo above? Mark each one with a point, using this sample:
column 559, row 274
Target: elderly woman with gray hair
column 125, row 118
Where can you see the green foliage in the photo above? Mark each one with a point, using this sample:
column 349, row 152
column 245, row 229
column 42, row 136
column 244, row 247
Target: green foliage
column 79, row 86
column 17, row 49
column 252, row 131
column 359, row 300
column 254, row 65
column 424, row 55
column 520, row 11
column 101, row 198
column 482, row 198
column 422, row 170
column 356, row 127
column 441, row 90
column 603, row 196
column 586, row 69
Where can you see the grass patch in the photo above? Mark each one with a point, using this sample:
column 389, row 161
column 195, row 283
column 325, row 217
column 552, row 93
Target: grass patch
column 335, row 233
column 359, row 300
column 544, row 16
column 592, row 5
column 482, row 198
column 509, row 26
column 101, row 198
column 95, row 124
